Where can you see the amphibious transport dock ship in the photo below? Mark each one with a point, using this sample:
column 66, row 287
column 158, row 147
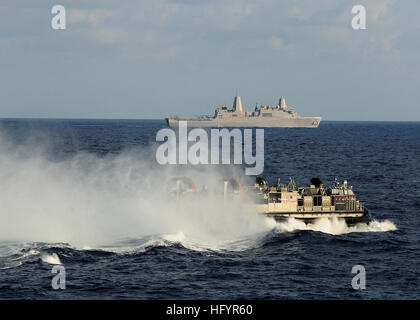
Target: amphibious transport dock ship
column 263, row 116
column 309, row 203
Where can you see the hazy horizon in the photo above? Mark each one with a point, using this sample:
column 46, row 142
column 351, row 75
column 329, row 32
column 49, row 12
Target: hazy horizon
column 163, row 119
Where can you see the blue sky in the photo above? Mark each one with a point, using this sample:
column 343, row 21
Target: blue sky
column 155, row 58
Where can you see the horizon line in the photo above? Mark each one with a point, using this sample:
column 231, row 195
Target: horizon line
column 163, row 119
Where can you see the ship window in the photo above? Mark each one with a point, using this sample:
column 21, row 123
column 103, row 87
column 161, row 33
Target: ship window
column 317, row 201
column 274, row 197
column 340, row 206
column 300, row 202
column 267, row 115
column 234, row 115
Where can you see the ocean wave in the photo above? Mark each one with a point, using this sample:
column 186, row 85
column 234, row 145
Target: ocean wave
column 335, row 226
column 332, row 226
column 50, row 258
column 14, row 255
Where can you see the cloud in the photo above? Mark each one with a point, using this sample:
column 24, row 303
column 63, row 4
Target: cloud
column 278, row 44
column 334, row 33
column 307, row 9
column 164, row 28
column 165, row 54
column 382, row 21
column 297, row 13
column 379, row 11
column 169, row 11
column 136, row 30
column 94, row 17
column 325, row 24
column 108, row 35
column 388, row 43
column 227, row 15
column 385, row 44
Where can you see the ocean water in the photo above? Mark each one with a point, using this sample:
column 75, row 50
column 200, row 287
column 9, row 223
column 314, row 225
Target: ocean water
column 89, row 196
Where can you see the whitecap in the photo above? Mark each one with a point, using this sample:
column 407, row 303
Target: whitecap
column 50, row 258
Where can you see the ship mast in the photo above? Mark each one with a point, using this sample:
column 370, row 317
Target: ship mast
column 282, row 103
column 237, row 104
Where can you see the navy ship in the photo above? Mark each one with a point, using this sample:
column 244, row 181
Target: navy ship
column 282, row 202
column 263, row 116
column 309, row 203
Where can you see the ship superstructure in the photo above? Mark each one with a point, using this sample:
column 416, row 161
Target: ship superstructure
column 282, row 202
column 309, row 203
column 279, row 115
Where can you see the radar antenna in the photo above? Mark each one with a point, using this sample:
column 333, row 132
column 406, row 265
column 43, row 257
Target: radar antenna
column 292, row 184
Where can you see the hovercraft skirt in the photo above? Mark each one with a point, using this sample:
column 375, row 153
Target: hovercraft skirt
column 351, row 217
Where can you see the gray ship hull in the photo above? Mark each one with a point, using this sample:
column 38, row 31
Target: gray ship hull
column 250, row 122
